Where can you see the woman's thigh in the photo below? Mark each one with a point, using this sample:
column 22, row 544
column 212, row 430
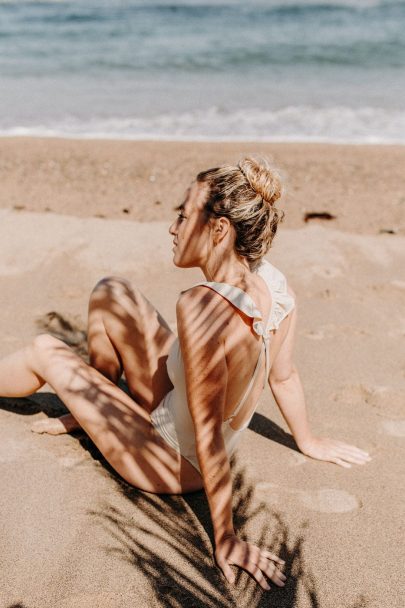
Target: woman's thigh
column 127, row 333
column 119, row 427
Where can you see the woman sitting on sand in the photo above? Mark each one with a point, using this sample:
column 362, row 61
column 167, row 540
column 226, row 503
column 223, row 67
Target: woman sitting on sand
column 190, row 397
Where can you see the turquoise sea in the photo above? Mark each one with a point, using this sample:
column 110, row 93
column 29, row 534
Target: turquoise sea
column 301, row 70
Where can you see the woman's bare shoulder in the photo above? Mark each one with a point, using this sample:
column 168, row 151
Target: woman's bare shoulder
column 203, row 304
column 200, row 296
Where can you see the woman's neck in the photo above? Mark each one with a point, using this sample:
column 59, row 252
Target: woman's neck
column 229, row 269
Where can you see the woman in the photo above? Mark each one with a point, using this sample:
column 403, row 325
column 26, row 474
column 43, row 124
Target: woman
column 176, row 429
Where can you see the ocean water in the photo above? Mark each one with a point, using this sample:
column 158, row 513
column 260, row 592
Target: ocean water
column 276, row 70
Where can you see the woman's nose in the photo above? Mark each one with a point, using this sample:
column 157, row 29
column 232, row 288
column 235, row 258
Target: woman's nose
column 172, row 228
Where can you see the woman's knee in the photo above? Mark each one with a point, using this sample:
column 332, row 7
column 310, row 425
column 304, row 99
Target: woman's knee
column 111, row 286
column 45, row 342
column 111, row 291
column 44, row 347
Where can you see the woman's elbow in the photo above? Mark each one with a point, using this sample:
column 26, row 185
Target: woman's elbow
column 280, row 377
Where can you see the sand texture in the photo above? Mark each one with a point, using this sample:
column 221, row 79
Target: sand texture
column 73, row 535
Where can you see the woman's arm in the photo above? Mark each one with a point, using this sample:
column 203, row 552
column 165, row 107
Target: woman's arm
column 206, row 378
column 202, row 316
column 286, row 386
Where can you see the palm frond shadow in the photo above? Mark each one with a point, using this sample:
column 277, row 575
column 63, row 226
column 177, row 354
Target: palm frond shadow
column 72, row 332
column 178, row 559
column 170, row 538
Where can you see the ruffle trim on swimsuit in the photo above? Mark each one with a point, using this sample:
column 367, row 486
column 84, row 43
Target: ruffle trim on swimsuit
column 283, row 303
column 241, row 300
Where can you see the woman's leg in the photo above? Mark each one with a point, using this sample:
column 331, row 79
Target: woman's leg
column 119, row 427
column 125, row 333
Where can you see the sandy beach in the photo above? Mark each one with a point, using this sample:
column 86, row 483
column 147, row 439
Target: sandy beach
column 74, row 535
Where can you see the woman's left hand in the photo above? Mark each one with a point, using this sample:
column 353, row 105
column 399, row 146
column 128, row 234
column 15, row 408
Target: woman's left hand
column 258, row 562
column 331, row 450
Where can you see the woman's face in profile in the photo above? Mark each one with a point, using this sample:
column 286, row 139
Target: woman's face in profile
column 190, row 230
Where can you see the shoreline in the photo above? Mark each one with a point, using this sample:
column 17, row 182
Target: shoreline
column 204, row 140
column 362, row 186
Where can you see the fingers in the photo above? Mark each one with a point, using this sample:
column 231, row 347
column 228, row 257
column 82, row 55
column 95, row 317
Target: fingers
column 353, row 458
column 229, row 575
column 272, row 571
column 358, row 458
column 273, row 557
column 341, row 463
column 351, row 454
column 265, row 562
column 257, row 575
column 351, row 447
column 259, row 563
column 353, row 450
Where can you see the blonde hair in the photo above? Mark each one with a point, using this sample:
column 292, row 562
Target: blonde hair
column 246, row 195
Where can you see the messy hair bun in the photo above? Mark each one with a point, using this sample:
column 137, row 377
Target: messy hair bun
column 262, row 179
column 246, row 194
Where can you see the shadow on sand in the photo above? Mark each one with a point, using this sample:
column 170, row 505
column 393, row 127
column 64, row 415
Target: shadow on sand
column 171, row 540
column 186, row 533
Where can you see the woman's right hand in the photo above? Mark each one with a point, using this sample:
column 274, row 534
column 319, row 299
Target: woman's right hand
column 256, row 561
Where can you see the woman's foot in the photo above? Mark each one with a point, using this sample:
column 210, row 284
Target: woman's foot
column 56, row 426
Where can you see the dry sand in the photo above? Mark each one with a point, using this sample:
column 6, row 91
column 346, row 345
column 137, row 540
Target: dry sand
column 72, row 533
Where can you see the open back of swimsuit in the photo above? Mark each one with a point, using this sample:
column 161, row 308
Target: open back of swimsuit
column 172, row 418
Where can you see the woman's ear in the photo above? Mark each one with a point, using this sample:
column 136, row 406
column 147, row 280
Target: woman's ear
column 221, row 229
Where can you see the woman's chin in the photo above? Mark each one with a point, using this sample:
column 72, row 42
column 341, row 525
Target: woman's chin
column 178, row 264
column 176, row 260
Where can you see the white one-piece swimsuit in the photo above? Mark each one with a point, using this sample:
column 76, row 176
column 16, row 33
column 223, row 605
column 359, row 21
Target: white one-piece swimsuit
column 172, row 418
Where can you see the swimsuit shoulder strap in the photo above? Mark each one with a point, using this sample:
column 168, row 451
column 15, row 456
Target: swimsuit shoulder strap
column 240, row 299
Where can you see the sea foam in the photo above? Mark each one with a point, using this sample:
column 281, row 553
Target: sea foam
column 293, row 123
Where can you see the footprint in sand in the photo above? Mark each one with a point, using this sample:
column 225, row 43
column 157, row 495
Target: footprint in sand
column 326, row 500
column 330, row 501
column 395, row 428
column 384, row 400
